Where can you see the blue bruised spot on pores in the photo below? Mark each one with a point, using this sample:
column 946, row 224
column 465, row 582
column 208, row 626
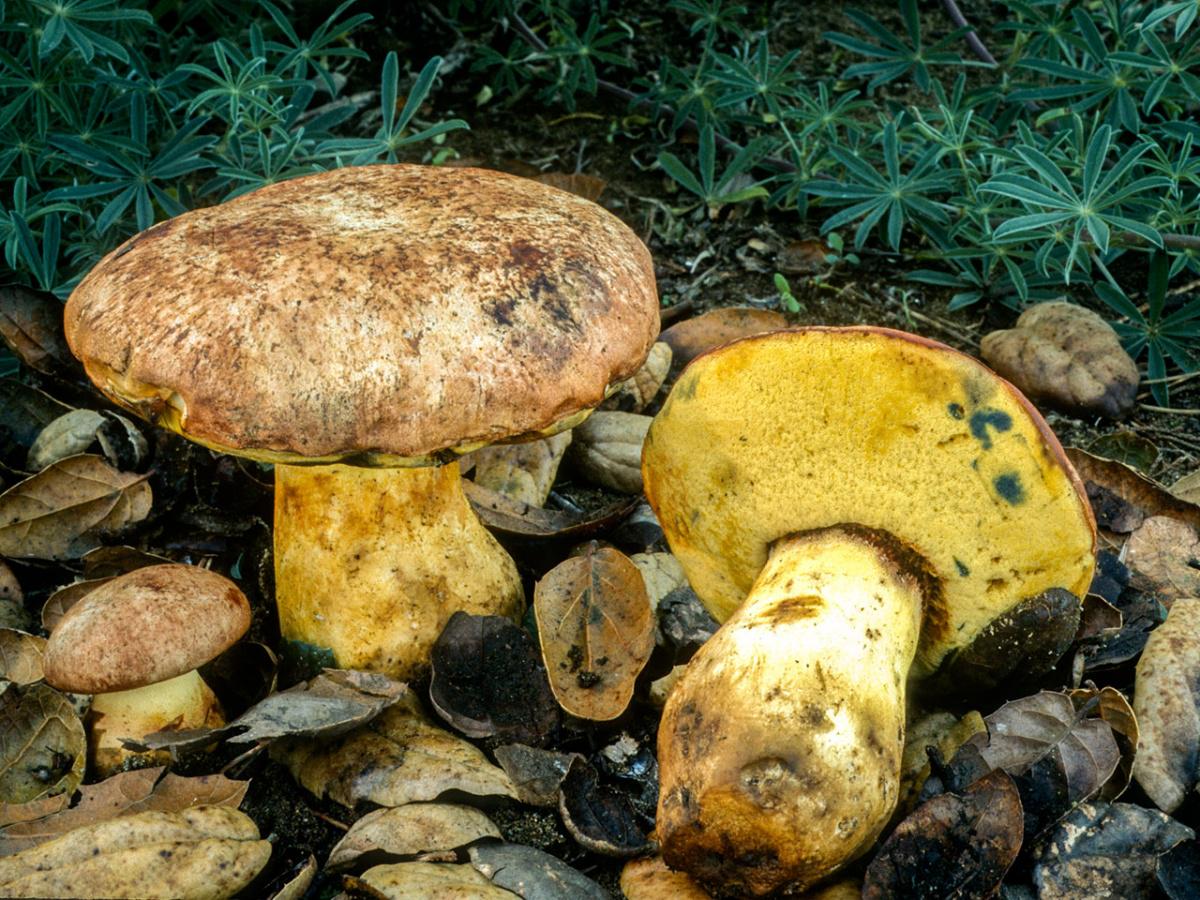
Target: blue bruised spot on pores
column 956, row 410
column 962, row 569
column 1009, row 487
column 984, row 419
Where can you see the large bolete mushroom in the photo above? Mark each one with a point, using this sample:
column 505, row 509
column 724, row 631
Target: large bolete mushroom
column 361, row 328
column 136, row 642
column 859, row 506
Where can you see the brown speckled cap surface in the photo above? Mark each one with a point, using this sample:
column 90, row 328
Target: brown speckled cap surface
column 395, row 309
column 144, row 627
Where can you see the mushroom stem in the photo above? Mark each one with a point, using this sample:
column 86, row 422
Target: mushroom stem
column 784, row 736
column 178, row 703
column 371, row 562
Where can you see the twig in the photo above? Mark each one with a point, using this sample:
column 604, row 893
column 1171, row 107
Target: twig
column 1169, row 410
column 330, row 819
column 960, row 21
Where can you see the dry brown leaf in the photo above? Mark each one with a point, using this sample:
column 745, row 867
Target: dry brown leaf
column 507, row 516
column 432, row 881
column 607, row 449
column 21, row 656
column 650, row 879
column 533, row 873
column 691, row 337
column 1147, row 497
column 525, row 472
column 65, row 597
column 297, row 886
column 535, row 773
column 1187, row 488
column 205, row 852
column 942, row 730
column 1065, row 356
column 411, row 830
column 636, row 393
column 24, row 411
column 1162, row 554
column 804, row 257
column 12, row 813
column 1167, row 703
column 42, row 744
column 76, row 431
column 64, row 510
column 1114, row 709
column 126, row 793
column 662, row 574
column 596, row 630
column 109, row 562
column 587, row 186
column 399, row 757
column 31, row 325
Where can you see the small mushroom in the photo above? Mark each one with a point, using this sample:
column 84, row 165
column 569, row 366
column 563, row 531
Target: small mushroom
column 361, row 329
column 858, row 506
column 135, row 642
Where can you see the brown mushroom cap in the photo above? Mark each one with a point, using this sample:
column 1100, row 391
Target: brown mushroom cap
column 144, row 627
column 399, row 310
column 797, row 430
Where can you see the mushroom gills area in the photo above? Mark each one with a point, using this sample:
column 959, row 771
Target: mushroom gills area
column 780, row 746
column 178, row 703
column 371, row 563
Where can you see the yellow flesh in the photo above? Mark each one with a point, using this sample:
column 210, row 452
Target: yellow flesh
column 177, row 703
column 371, row 563
column 809, row 429
column 780, row 747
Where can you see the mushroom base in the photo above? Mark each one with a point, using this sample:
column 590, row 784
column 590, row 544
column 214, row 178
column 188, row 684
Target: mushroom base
column 371, row 563
column 175, row 704
column 780, row 746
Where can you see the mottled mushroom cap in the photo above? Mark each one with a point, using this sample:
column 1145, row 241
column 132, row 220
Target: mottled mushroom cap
column 144, row 627
column 396, row 311
column 797, row 430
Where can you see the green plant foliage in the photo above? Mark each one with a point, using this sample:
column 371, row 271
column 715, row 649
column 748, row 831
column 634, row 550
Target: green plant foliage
column 112, row 119
column 1011, row 182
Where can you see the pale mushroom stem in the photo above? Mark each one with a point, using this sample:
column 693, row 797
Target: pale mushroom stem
column 179, row 703
column 783, row 738
column 371, row 562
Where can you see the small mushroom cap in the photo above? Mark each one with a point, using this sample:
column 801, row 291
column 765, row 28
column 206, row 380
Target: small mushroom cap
column 398, row 310
column 144, row 627
column 797, row 430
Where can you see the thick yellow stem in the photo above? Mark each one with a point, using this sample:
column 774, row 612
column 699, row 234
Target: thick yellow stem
column 780, row 746
column 371, row 563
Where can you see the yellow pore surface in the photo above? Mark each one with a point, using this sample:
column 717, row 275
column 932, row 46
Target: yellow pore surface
column 805, row 429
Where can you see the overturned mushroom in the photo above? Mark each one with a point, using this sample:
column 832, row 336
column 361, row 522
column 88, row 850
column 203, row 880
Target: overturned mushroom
column 136, row 642
column 362, row 328
column 861, row 506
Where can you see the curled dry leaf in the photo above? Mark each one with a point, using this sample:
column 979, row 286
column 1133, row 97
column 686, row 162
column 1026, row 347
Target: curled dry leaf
column 1122, row 498
column 24, row 411
column 76, row 431
column 953, row 846
column 1167, row 703
column 205, row 852
column 21, row 656
column 1057, row 757
column 1127, row 447
column 297, row 885
column 1187, row 488
column 587, row 186
column 691, row 337
column 488, row 680
column 536, row 774
column 607, row 449
column 12, row 602
column 64, row 510
column 523, row 472
column 399, row 757
column 599, row 817
column 1163, row 555
column 1111, row 705
column 124, row 794
column 109, row 562
column 412, row 830
column 31, row 323
column 1068, row 357
column 596, row 631
column 431, row 881
column 650, row 879
column 42, row 744
column 533, row 874
column 1106, row 850
column 804, row 257
column 520, row 520
column 636, row 393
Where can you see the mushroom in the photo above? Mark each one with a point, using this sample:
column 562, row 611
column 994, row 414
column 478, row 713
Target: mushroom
column 135, row 642
column 860, row 507
column 360, row 329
